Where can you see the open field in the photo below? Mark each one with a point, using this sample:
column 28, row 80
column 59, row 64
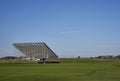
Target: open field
column 67, row 70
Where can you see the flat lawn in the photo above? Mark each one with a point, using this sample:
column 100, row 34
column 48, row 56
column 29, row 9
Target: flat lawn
column 68, row 70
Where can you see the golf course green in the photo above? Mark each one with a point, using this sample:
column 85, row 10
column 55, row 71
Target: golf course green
column 67, row 70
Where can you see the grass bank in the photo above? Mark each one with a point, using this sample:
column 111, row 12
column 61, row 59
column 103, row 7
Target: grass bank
column 67, row 70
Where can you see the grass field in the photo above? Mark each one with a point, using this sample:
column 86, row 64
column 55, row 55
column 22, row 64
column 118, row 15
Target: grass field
column 67, row 70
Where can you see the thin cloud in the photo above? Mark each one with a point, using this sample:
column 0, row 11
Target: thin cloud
column 71, row 32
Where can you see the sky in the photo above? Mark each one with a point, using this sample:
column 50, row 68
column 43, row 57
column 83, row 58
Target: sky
column 71, row 28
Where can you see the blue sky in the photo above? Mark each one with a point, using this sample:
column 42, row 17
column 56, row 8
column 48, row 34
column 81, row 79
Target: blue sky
column 70, row 27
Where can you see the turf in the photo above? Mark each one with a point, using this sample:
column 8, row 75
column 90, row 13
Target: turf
column 67, row 70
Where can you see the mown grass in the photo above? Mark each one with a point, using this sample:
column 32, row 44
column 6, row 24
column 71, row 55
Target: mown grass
column 67, row 70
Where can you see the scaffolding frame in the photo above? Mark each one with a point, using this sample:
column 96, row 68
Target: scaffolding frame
column 35, row 50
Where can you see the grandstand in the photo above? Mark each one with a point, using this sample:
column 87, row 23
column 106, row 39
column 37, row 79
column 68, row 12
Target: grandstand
column 35, row 50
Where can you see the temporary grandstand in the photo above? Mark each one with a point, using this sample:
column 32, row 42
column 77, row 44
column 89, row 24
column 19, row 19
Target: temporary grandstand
column 35, row 50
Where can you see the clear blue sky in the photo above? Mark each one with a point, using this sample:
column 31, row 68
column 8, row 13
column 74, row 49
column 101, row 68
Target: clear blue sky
column 70, row 27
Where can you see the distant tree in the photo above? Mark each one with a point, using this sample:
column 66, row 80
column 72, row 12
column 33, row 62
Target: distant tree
column 118, row 56
column 91, row 57
column 78, row 56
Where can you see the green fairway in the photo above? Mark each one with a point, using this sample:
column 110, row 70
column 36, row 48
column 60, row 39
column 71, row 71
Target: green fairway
column 67, row 70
